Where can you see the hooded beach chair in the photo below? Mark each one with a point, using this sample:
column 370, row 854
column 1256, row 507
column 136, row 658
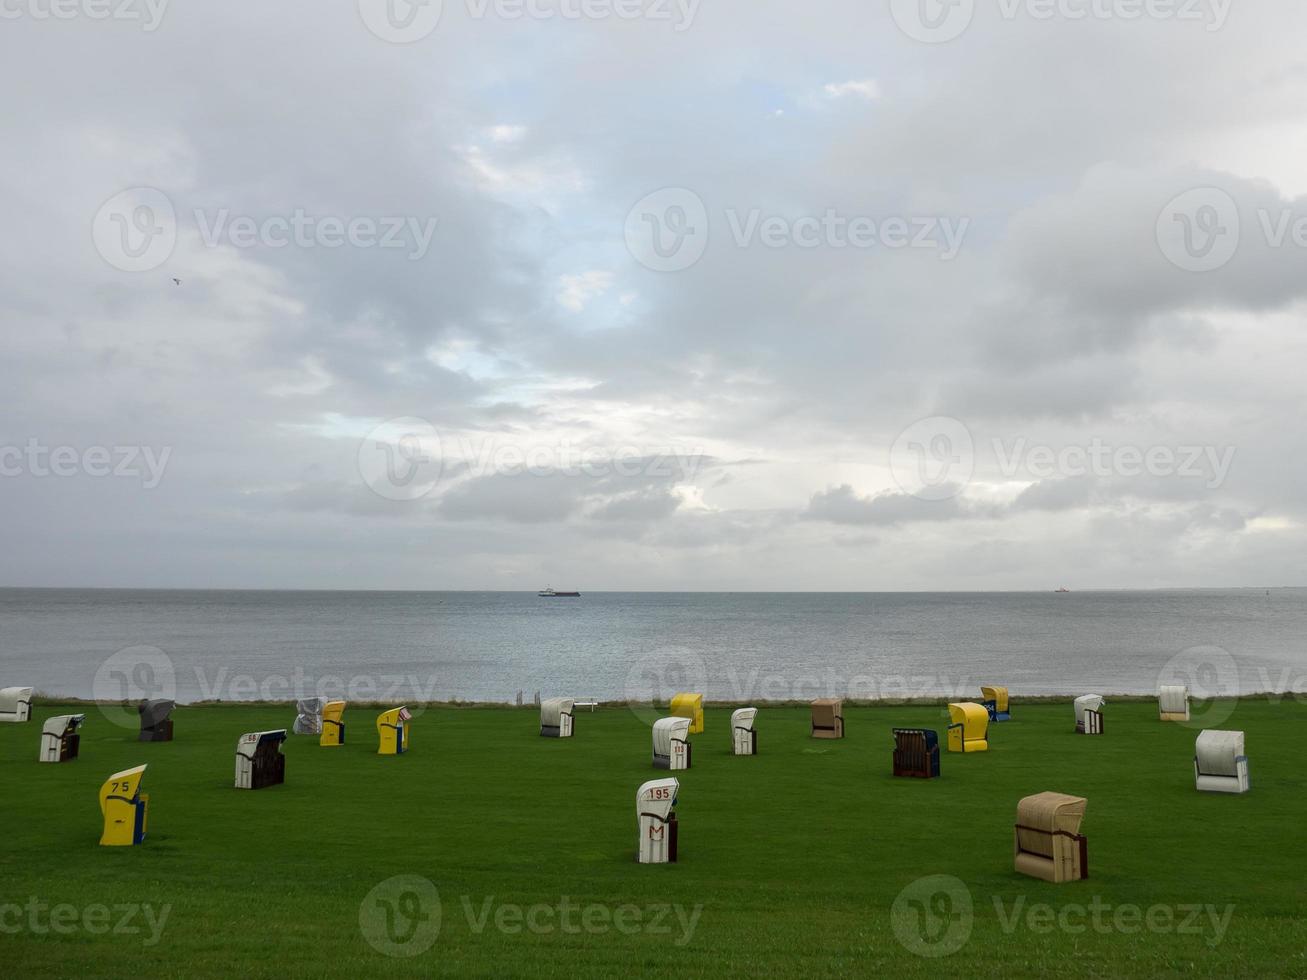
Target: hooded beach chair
column 1219, row 763
column 689, row 706
column 333, row 723
column 1089, row 714
column 15, row 703
column 828, row 718
column 1047, row 841
column 671, row 743
column 556, row 717
column 59, row 738
column 124, row 808
column 995, row 701
column 744, row 738
column 655, row 812
column 156, row 726
column 1173, row 703
column 969, row 727
column 308, row 716
column 916, row 752
column 392, row 727
column 259, row 761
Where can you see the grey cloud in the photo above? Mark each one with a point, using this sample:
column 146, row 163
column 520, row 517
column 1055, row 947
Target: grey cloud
column 842, row 505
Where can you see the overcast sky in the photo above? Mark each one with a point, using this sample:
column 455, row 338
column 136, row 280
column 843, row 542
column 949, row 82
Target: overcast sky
column 727, row 295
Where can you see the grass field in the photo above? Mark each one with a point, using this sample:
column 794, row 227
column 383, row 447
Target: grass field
column 790, row 862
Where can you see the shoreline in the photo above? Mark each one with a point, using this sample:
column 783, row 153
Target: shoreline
column 41, row 699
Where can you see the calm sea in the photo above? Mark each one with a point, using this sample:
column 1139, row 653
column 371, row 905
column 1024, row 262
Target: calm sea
column 741, row 646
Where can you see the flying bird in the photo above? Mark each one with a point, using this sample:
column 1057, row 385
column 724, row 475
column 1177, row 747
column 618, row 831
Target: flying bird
column 177, row 281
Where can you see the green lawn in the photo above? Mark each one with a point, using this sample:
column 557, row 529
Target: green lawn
column 792, row 858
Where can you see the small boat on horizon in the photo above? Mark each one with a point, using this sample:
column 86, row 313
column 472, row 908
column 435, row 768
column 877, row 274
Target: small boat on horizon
column 1062, row 589
column 549, row 593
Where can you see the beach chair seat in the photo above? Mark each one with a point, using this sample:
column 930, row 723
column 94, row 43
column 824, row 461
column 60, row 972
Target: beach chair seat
column 744, row 738
column 15, row 704
column 828, row 718
column 556, row 717
column 969, row 727
column 259, row 762
column 687, row 705
column 156, row 726
column 916, row 752
column 1173, row 702
column 1089, row 714
column 60, row 740
column 333, row 723
column 995, row 701
column 1047, row 842
column 671, row 743
column 1220, row 765
column 655, row 812
column 308, row 716
column 392, row 731
column 124, row 808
